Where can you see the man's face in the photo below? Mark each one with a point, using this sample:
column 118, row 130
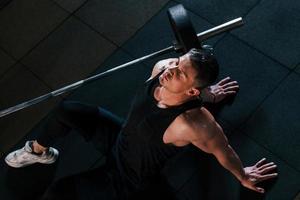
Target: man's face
column 179, row 76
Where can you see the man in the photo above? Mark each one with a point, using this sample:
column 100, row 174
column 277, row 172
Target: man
column 166, row 114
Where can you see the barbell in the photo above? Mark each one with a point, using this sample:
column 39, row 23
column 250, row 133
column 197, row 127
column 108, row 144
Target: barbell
column 186, row 39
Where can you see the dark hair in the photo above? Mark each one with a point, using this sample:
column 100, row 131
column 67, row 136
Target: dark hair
column 206, row 65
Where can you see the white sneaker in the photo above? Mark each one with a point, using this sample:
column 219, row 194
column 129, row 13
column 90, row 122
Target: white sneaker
column 25, row 156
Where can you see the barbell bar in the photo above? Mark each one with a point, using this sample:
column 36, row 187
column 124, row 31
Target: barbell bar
column 184, row 34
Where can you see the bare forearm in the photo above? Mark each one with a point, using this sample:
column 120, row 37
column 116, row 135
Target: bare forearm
column 231, row 161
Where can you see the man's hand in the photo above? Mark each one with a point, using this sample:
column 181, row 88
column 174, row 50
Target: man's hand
column 258, row 173
column 216, row 93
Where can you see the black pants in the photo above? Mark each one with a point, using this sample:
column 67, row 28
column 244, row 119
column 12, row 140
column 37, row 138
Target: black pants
column 92, row 123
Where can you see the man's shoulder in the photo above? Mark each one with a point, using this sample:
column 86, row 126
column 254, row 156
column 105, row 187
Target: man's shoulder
column 199, row 122
column 198, row 119
column 197, row 115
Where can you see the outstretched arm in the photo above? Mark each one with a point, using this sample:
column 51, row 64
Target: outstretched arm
column 218, row 145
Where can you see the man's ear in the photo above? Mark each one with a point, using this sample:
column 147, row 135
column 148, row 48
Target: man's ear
column 193, row 92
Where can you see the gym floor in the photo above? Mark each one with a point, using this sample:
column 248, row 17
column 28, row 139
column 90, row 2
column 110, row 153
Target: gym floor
column 47, row 44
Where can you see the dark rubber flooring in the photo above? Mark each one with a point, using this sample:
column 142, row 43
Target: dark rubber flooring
column 262, row 121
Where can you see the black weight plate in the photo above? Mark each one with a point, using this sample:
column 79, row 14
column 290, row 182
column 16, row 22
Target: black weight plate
column 183, row 28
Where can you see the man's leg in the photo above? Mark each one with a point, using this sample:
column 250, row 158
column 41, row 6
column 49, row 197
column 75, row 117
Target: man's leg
column 88, row 120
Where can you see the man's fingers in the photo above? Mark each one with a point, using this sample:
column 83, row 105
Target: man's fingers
column 266, row 177
column 230, row 92
column 259, row 163
column 223, row 81
column 232, row 83
column 232, row 88
column 267, row 169
column 265, row 165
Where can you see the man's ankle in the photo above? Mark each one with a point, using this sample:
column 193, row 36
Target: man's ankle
column 37, row 148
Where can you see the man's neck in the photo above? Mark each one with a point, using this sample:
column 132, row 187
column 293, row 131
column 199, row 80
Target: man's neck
column 166, row 98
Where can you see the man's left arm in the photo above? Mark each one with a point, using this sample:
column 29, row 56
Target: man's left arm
column 218, row 145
